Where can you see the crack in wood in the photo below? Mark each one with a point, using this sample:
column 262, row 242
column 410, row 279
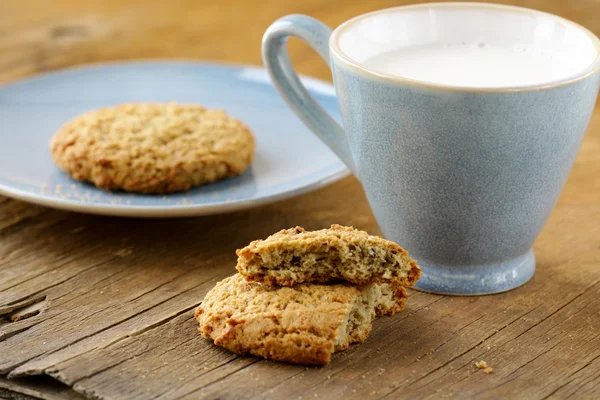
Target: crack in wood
column 162, row 285
column 4, row 336
column 15, row 306
column 88, row 316
column 58, row 266
column 470, row 362
column 12, row 374
column 215, row 368
column 17, row 372
column 587, row 364
column 408, row 314
column 21, row 223
column 55, row 373
column 27, row 312
column 76, row 383
column 288, row 378
column 557, row 310
column 33, row 221
column 252, row 362
column 447, row 362
column 70, row 278
column 39, row 388
column 454, row 333
column 515, row 372
column 235, row 357
column 514, row 375
column 9, row 334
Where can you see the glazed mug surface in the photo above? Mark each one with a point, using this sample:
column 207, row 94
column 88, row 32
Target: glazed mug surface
column 463, row 177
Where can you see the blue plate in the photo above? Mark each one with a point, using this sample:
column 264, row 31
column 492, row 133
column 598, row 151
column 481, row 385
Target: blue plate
column 289, row 160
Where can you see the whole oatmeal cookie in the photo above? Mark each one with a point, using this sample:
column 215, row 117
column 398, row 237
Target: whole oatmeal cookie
column 294, row 256
column 304, row 324
column 153, row 148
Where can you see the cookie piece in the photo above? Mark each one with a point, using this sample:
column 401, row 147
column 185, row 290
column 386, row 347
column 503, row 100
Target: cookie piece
column 295, row 256
column 153, row 148
column 304, row 324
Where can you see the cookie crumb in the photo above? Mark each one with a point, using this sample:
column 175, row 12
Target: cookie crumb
column 481, row 364
column 488, row 370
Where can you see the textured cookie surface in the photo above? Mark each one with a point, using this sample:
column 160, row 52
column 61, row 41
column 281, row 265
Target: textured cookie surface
column 153, row 148
column 295, row 256
column 304, row 324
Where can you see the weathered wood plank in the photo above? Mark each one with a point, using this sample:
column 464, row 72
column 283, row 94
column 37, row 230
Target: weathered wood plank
column 517, row 335
column 118, row 293
column 133, row 326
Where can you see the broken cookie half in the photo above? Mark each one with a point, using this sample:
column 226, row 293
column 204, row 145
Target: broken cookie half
column 295, row 256
column 303, row 324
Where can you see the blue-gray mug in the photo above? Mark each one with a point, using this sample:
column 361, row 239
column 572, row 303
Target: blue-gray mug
column 464, row 177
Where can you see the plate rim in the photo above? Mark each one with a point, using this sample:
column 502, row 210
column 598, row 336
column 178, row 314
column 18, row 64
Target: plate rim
column 175, row 210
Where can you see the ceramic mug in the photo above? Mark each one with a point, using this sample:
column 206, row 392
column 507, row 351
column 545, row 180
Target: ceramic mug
column 463, row 178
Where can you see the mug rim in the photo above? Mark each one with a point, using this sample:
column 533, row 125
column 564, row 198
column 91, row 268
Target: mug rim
column 337, row 52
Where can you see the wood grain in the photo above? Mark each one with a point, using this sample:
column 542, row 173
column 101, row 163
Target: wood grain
column 103, row 305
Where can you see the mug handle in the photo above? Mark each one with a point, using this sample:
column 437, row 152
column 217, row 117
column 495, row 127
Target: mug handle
column 287, row 83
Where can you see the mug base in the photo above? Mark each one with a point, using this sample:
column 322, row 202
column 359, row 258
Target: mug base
column 475, row 280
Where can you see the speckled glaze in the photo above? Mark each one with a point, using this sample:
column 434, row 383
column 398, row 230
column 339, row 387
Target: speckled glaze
column 464, row 179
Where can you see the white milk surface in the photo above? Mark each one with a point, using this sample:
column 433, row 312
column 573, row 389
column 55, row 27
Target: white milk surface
column 475, row 65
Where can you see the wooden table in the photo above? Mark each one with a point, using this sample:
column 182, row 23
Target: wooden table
column 102, row 307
